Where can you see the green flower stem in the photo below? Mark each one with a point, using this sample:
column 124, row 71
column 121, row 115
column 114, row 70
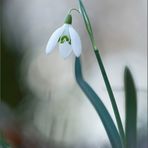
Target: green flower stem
column 111, row 95
column 73, row 9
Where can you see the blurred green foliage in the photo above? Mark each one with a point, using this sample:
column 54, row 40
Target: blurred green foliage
column 3, row 143
column 11, row 93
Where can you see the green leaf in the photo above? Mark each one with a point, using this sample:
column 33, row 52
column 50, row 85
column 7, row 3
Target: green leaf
column 86, row 19
column 105, row 117
column 131, row 110
column 111, row 95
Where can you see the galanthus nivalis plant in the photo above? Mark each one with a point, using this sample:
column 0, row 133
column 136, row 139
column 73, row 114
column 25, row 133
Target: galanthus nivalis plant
column 69, row 40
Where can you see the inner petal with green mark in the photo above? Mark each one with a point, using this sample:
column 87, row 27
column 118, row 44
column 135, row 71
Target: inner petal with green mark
column 64, row 39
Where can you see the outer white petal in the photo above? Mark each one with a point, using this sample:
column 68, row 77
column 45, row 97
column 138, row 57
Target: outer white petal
column 65, row 49
column 75, row 41
column 54, row 39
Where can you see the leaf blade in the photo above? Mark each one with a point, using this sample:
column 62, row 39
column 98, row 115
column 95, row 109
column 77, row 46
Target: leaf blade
column 106, row 119
column 131, row 109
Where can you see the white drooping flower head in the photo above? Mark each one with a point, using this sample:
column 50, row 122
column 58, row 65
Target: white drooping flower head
column 67, row 39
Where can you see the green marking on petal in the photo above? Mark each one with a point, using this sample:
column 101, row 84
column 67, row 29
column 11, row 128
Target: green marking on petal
column 64, row 38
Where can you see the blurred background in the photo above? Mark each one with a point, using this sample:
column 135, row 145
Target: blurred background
column 41, row 104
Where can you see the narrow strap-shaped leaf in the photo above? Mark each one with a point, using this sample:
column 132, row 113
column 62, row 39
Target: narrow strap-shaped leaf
column 111, row 95
column 131, row 109
column 105, row 117
column 86, row 19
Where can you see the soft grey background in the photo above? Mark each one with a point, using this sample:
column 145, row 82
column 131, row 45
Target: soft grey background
column 62, row 112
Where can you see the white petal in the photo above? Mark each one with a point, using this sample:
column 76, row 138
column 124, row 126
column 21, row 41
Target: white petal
column 65, row 49
column 54, row 39
column 75, row 42
column 66, row 29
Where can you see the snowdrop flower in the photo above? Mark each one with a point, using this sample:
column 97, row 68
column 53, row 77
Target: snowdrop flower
column 67, row 39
